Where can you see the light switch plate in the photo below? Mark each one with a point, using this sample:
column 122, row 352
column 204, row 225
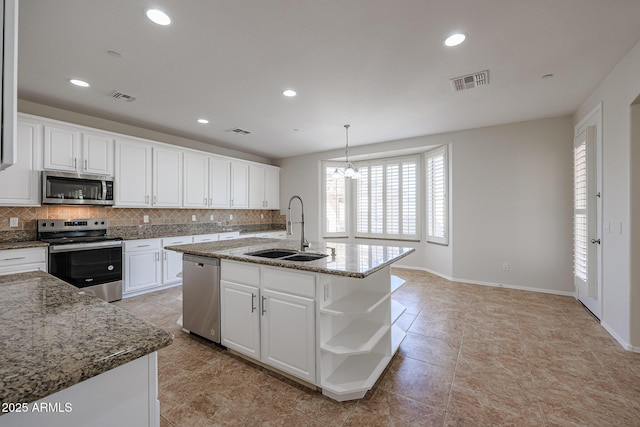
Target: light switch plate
column 13, row 222
column 606, row 227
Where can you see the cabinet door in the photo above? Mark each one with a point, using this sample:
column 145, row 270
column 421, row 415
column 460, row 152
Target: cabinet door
column 256, row 187
column 288, row 333
column 171, row 267
column 97, row 154
column 20, row 183
column 61, row 149
column 196, row 180
column 133, row 174
column 239, row 185
column 219, row 183
column 167, row 178
column 239, row 318
column 142, row 270
column 272, row 188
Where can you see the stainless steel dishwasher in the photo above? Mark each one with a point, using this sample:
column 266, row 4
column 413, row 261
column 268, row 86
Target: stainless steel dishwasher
column 201, row 296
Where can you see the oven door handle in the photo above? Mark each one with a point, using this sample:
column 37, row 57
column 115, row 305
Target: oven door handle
column 74, row 247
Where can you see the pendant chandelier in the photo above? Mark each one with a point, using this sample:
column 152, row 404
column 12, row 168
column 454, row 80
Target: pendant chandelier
column 349, row 171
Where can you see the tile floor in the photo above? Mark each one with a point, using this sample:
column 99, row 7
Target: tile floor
column 473, row 356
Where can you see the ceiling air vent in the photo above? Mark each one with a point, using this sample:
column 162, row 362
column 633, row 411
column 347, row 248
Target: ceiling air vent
column 123, row 96
column 239, row 131
column 470, row 81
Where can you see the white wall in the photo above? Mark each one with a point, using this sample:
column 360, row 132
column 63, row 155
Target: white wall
column 511, row 201
column 620, row 295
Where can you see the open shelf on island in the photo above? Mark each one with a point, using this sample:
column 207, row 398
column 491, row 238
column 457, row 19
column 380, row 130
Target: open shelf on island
column 397, row 336
column 360, row 336
column 396, row 310
column 360, row 302
column 396, row 283
column 355, row 376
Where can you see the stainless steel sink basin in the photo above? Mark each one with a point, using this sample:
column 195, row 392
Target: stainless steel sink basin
column 304, row 257
column 287, row 255
column 273, row 253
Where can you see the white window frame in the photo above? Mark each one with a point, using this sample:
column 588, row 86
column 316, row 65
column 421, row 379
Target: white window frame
column 327, row 234
column 415, row 159
column 430, row 203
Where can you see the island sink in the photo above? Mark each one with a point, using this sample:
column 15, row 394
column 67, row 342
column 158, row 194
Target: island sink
column 287, row 255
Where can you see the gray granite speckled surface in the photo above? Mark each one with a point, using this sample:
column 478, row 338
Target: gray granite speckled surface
column 52, row 337
column 23, row 245
column 351, row 260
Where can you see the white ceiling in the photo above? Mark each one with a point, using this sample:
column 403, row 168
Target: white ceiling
column 379, row 65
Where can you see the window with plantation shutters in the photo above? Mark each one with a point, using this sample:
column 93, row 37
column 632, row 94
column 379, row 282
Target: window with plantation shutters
column 437, row 198
column 335, row 203
column 387, row 199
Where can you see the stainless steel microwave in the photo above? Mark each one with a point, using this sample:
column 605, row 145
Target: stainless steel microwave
column 60, row 188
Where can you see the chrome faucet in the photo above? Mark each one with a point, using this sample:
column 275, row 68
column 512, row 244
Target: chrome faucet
column 303, row 242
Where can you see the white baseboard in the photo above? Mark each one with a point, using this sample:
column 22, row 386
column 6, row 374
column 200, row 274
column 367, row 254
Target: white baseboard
column 482, row 283
column 626, row 345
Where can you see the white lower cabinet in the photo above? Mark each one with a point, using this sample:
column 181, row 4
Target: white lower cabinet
column 172, row 261
column 142, row 265
column 269, row 314
column 23, row 260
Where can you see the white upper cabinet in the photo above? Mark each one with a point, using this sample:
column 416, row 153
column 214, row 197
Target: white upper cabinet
column 264, row 187
column 196, row 180
column 133, row 174
column 219, row 182
column 20, row 184
column 167, row 178
column 97, row 154
column 239, row 185
column 69, row 150
column 61, row 149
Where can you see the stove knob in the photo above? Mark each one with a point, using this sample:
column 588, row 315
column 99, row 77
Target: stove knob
column 96, row 223
column 51, row 224
column 102, row 222
column 44, row 224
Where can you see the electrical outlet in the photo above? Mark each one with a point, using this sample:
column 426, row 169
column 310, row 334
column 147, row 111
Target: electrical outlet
column 193, row 218
column 211, row 217
column 231, row 217
column 505, row 266
column 145, row 218
column 261, row 216
column 13, row 222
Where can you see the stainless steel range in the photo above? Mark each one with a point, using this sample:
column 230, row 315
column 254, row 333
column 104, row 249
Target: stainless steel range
column 81, row 253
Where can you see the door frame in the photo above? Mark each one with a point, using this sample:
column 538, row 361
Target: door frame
column 594, row 118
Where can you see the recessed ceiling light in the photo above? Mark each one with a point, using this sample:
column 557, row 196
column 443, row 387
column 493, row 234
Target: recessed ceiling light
column 203, row 121
column 80, row 83
column 158, row 16
column 454, row 39
column 289, row 92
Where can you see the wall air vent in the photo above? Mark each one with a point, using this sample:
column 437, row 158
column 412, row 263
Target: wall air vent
column 123, row 96
column 239, row 131
column 470, row 81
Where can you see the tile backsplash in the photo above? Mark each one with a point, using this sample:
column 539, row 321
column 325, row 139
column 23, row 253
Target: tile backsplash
column 27, row 216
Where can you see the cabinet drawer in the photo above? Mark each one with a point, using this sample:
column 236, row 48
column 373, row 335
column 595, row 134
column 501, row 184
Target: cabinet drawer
column 177, row 241
column 142, row 245
column 22, row 256
column 199, row 238
column 240, row 272
column 288, row 281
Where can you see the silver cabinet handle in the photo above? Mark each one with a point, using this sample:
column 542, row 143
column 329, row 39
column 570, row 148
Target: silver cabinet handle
column 143, row 246
column 164, row 253
column 253, row 302
column 264, row 309
column 86, row 164
column 155, row 200
column 146, row 198
column 157, row 256
column 209, row 202
column 14, row 259
column 75, row 163
column 205, row 200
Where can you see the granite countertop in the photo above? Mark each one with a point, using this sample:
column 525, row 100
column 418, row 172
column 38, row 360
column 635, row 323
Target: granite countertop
column 351, row 260
column 23, row 245
column 53, row 337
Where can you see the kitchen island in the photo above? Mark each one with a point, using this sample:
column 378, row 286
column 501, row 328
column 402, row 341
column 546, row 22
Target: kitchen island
column 328, row 323
column 70, row 359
